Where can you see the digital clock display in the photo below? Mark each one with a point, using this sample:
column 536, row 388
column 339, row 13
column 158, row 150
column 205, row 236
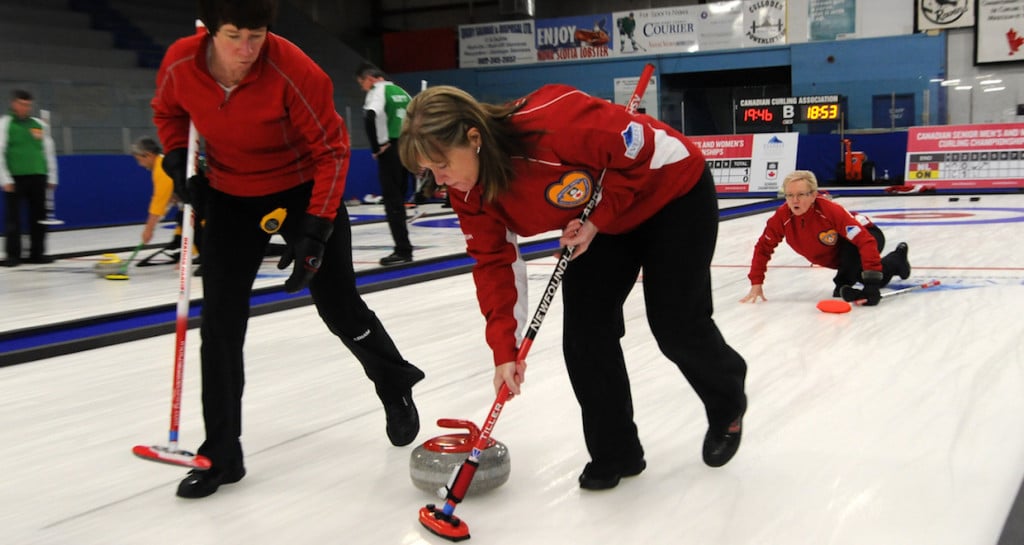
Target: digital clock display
column 755, row 114
column 820, row 112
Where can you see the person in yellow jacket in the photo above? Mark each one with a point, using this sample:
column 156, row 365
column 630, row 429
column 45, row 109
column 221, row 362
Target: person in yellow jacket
column 150, row 156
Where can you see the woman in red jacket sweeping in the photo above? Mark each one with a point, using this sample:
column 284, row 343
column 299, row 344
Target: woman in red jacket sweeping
column 273, row 140
column 829, row 236
column 531, row 166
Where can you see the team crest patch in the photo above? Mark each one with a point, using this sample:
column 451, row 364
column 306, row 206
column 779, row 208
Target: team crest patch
column 571, row 190
column 828, row 238
column 633, row 138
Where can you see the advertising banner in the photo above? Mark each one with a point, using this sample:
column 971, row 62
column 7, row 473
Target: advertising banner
column 496, row 44
column 764, row 22
column 656, row 31
column 749, row 162
column 721, row 26
column 574, row 38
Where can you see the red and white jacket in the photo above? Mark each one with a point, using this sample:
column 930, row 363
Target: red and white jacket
column 277, row 129
column 815, row 234
column 575, row 138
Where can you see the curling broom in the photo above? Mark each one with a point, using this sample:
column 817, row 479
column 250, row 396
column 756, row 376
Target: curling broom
column 171, row 454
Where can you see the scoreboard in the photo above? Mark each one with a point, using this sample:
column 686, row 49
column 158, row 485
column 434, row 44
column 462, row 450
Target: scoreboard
column 777, row 113
column 966, row 156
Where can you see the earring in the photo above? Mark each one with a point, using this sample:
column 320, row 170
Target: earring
column 478, row 150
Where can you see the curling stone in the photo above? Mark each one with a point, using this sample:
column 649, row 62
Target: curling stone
column 108, row 264
column 434, row 463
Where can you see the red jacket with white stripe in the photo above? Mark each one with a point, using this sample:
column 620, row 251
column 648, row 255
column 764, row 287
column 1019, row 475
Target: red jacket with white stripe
column 648, row 164
column 815, row 234
column 276, row 129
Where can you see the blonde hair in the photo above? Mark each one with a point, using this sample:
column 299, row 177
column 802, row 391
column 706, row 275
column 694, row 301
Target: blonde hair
column 438, row 120
column 798, row 175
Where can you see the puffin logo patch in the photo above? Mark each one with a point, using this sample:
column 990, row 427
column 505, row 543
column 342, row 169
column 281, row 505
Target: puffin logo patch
column 828, row 238
column 571, row 190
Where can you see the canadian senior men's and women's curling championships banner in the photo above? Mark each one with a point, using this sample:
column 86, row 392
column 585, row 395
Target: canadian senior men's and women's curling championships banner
column 749, row 162
column 681, row 29
column 966, row 156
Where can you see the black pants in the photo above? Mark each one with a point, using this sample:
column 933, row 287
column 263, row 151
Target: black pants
column 233, row 250
column 394, row 183
column 850, row 264
column 30, row 189
column 674, row 249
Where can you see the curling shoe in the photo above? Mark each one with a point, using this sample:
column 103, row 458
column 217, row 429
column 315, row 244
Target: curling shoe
column 403, row 420
column 902, row 263
column 395, row 259
column 597, row 477
column 720, row 445
column 199, row 483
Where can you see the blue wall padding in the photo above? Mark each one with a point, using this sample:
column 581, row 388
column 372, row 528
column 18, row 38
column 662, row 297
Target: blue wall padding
column 105, row 190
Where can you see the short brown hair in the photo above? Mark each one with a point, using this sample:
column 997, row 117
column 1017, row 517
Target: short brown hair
column 241, row 13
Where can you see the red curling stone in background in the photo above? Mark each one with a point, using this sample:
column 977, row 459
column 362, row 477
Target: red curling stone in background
column 434, row 463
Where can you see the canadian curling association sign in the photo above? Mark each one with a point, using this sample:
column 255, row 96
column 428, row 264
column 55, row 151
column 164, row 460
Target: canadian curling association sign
column 766, row 22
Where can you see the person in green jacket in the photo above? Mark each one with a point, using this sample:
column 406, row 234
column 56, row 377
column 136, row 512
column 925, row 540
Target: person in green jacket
column 28, row 168
column 384, row 110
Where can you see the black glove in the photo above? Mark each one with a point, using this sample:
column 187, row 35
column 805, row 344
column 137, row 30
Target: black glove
column 190, row 190
column 307, row 251
column 175, row 165
column 872, row 281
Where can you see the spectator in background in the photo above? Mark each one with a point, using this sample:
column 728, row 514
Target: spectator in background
column 384, row 111
column 150, row 157
column 28, row 167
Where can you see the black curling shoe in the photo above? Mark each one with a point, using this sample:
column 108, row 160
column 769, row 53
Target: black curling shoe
column 199, row 483
column 720, row 445
column 903, row 265
column 596, row 477
column 403, row 420
column 395, row 259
